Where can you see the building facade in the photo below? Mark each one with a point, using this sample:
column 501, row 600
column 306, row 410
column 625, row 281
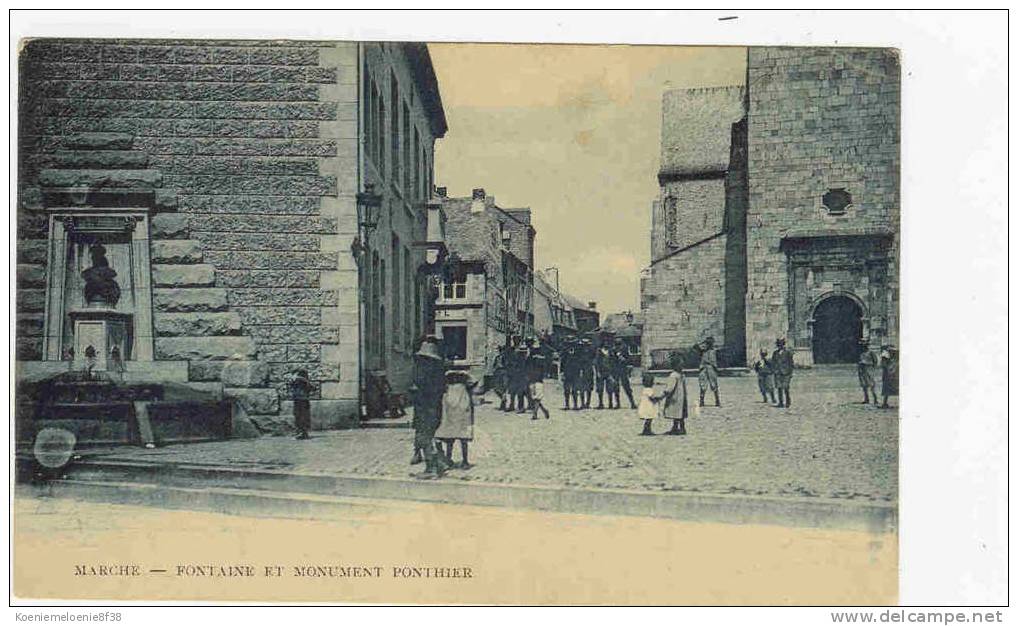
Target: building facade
column 779, row 209
column 221, row 178
column 489, row 296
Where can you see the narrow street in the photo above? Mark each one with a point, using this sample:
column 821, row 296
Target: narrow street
column 826, row 446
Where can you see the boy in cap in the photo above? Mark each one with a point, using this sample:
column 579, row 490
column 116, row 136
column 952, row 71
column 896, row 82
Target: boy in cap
column 709, row 370
column 300, row 391
column 764, row 376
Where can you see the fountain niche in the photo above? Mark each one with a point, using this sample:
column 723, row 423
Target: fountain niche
column 98, row 378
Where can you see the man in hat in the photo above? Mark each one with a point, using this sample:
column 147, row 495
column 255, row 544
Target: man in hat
column 586, row 378
column 622, row 370
column 603, row 373
column 570, row 373
column 500, row 378
column 889, row 373
column 428, row 389
column 709, row 370
column 535, row 378
column 782, row 365
column 868, row 362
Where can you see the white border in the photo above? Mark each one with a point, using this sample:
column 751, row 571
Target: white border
column 954, row 228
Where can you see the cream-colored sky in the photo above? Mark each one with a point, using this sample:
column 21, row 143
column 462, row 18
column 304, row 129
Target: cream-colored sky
column 573, row 132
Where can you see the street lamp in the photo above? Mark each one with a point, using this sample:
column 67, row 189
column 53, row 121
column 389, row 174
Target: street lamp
column 369, row 204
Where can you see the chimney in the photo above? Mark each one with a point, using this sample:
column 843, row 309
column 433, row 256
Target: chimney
column 592, row 306
column 477, row 204
column 442, row 192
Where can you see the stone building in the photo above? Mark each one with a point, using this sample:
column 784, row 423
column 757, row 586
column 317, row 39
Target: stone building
column 779, row 209
column 222, row 178
column 491, row 294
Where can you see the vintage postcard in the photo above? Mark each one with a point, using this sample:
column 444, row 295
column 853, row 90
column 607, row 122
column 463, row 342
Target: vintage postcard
column 448, row 323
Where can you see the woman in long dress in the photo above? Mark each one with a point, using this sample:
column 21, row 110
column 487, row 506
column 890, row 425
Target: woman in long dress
column 457, row 415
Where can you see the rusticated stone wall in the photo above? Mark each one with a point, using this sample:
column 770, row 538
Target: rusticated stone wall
column 252, row 276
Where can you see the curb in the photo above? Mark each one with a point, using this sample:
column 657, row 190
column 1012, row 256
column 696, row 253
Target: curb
column 821, row 513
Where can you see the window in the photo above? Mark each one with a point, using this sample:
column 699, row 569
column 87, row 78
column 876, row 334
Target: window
column 408, row 310
column 381, row 335
column 418, row 310
column 373, row 303
column 671, row 221
column 397, row 291
column 456, row 289
column 417, row 165
column 454, row 339
column 394, row 127
column 382, row 348
column 379, row 125
column 406, row 151
column 367, row 94
column 837, row 201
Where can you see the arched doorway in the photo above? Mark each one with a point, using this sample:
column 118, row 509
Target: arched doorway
column 837, row 329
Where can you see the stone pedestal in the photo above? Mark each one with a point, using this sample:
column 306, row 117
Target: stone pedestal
column 102, row 330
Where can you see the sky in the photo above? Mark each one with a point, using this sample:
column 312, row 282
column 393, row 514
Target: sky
column 574, row 133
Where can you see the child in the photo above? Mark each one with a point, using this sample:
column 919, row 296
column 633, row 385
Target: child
column 650, row 404
column 457, row 415
column 764, row 376
column 300, row 391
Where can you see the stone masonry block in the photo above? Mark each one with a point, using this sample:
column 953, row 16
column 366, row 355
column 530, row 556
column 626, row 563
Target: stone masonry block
column 255, row 401
column 100, row 179
column 197, row 324
column 245, row 374
column 170, row 226
column 204, row 348
column 176, row 251
column 187, row 300
column 200, row 275
column 99, row 141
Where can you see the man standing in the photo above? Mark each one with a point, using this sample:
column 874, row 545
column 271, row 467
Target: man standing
column 535, row 379
column 602, row 372
column 868, row 362
column 570, row 373
column 782, row 364
column 429, row 388
column 709, row 370
column 622, row 369
column 500, row 377
column 586, row 361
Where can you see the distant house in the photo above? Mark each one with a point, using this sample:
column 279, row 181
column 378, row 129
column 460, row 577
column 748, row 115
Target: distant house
column 628, row 327
column 587, row 317
column 490, row 296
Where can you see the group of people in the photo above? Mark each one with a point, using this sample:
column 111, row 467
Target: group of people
column 775, row 372
column 518, row 375
column 586, row 368
column 869, row 361
column 443, row 412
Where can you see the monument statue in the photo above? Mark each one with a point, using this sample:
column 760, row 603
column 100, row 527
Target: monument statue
column 100, row 284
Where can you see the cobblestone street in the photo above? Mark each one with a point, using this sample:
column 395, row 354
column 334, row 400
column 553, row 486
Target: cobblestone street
column 826, row 445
